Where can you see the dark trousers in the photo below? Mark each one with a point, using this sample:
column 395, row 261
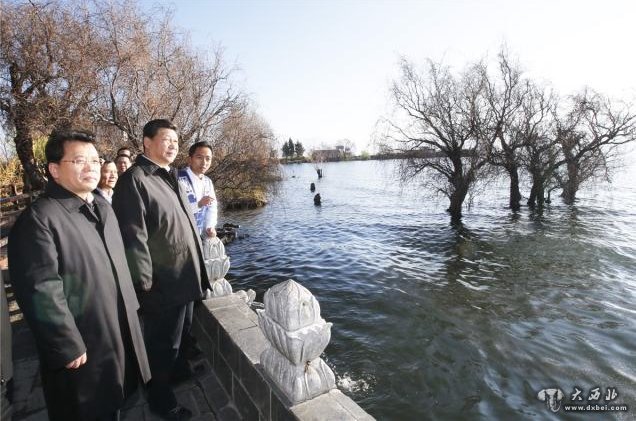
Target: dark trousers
column 65, row 395
column 188, row 341
column 162, row 333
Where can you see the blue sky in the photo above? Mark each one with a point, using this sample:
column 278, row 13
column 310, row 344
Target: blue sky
column 319, row 71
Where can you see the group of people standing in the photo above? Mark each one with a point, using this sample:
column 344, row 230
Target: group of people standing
column 106, row 276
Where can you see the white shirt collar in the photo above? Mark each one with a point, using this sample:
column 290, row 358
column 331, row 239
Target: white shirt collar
column 191, row 173
column 167, row 168
column 105, row 193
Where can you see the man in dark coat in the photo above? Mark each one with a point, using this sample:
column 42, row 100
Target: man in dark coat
column 71, row 281
column 165, row 258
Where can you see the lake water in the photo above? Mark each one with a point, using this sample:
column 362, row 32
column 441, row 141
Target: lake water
column 433, row 321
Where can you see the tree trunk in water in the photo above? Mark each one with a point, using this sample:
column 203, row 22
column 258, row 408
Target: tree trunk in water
column 457, row 200
column 537, row 193
column 532, row 199
column 515, row 194
column 541, row 196
column 33, row 179
column 571, row 185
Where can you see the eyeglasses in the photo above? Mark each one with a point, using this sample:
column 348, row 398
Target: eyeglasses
column 80, row 162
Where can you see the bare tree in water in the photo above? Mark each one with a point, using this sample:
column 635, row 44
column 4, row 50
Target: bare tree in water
column 534, row 129
column 564, row 150
column 448, row 129
column 437, row 124
column 505, row 92
column 589, row 136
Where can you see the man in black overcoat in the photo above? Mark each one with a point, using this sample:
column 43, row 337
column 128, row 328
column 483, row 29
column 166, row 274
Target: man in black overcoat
column 165, row 258
column 71, row 281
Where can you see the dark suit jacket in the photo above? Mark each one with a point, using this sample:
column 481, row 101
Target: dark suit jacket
column 73, row 286
column 162, row 244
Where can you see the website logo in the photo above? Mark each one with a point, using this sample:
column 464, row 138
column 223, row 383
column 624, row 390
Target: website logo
column 594, row 399
column 552, row 398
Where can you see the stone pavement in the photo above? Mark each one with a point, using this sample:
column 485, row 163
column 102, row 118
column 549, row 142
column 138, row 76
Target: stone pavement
column 203, row 394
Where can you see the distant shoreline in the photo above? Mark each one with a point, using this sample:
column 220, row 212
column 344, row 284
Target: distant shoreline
column 377, row 157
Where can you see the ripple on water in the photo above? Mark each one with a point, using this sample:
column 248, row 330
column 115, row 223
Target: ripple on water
column 433, row 321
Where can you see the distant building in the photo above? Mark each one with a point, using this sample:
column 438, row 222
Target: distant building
column 337, row 154
column 324, row 155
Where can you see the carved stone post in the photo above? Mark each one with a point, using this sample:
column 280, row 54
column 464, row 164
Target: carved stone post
column 217, row 265
column 298, row 335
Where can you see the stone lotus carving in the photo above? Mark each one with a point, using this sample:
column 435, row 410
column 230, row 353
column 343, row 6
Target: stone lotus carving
column 217, row 264
column 298, row 346
column 220, row 288
column 291, row 305
column 298, row 335
column 299, row 382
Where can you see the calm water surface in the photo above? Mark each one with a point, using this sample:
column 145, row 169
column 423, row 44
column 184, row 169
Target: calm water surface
column 439, row 322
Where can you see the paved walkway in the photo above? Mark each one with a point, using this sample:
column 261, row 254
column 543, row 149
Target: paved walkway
column 203, row 395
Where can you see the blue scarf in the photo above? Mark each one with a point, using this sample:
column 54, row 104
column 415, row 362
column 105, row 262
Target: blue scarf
column 199, row 213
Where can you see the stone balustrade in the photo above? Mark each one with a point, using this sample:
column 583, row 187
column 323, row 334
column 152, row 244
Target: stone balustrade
column 298, row 335
column 269, row 362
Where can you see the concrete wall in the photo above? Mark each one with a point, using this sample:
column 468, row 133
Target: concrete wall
column 228, row 333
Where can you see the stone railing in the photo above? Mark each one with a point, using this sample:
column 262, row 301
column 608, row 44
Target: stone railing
column 269, row 363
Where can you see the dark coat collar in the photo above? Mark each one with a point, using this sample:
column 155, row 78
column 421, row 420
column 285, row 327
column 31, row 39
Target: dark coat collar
column 68, row 199
column 147, row 165
column 72, row 202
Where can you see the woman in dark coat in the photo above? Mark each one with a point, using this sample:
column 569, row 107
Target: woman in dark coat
column 72, row 283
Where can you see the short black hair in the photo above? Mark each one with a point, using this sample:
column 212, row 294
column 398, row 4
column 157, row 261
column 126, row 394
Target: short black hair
column 122, row 156
column 198, row 145
column 124, row 148
column 153, row 126
column 54, row 149
column 108, row 161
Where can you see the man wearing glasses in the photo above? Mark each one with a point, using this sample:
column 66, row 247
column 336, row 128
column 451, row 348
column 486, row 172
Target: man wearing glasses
column 69, row 273
column 164, row 256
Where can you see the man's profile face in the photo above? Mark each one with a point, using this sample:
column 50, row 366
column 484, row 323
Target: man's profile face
column 77, row 177
column 108, row 176
column 200, row 160
column 162, row 148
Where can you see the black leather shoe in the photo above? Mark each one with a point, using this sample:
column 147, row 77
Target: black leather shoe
column 178, row 413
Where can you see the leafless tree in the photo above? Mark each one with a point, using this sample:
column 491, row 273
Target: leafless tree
column 154, row 73
column 110, row 65
column 535, row 128
column 243, row 165
column 505, row 92
column 448, row 127
column 589, row 135
column 49, row 56
column 437, row 124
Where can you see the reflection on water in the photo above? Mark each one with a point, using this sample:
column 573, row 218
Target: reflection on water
column 433, row 321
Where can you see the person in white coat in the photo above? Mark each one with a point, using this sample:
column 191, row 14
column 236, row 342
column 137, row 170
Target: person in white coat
column 200, row 189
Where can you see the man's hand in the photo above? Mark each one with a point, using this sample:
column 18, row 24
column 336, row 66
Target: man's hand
column 205, row 201
column 79, row 361
column 211, row 232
